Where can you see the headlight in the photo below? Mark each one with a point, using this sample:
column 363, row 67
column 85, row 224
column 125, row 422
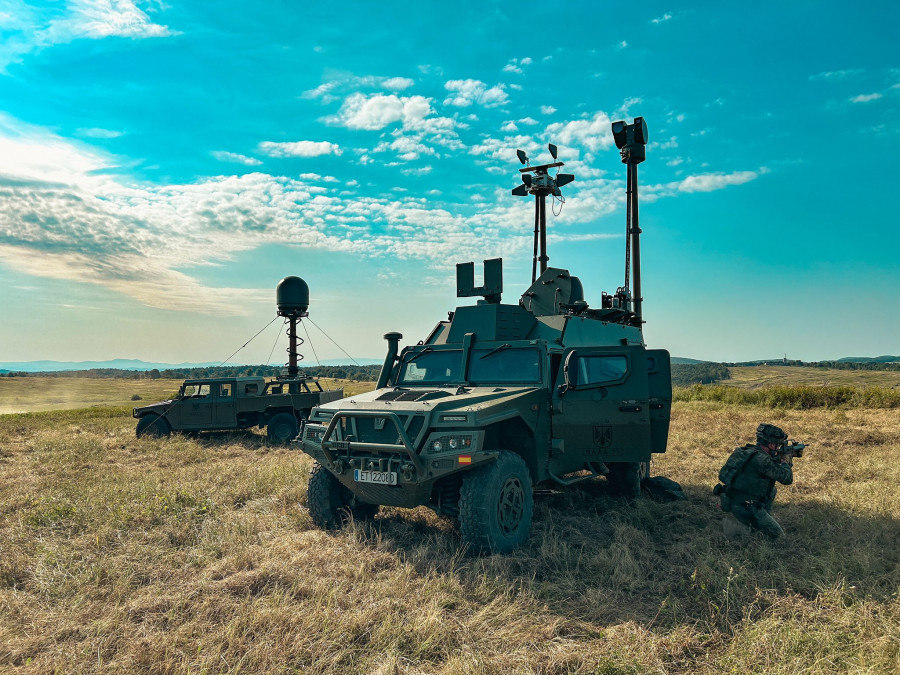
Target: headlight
column 315, row 434
column 454, row 442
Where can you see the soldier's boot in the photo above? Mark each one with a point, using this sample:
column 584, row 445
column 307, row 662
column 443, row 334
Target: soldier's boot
column 734, row 529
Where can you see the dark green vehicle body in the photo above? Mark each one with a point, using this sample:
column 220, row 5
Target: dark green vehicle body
column 566, row 388
column 220, row 404
column 501, row 397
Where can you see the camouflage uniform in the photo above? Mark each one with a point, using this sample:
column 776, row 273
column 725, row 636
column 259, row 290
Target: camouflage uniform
column 749, row 497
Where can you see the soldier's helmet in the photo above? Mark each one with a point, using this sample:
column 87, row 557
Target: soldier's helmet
column 769, row 433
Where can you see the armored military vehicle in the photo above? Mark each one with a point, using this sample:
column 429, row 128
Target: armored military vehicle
column 500, row 397
column 223, row 403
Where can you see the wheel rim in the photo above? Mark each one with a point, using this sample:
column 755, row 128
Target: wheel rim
column 282, row 431
column 511, row 506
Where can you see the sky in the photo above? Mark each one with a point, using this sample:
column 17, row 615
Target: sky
column 164, row 164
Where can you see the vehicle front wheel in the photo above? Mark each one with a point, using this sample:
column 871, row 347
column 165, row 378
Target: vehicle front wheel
column 496, row 504
column 332, row 505
column 153, row 425
column 282, row 429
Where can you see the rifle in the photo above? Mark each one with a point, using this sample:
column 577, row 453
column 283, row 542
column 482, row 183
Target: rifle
column 793, row 449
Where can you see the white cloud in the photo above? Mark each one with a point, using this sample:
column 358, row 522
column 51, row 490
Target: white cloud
column 662, row 19
column 95, row 132
column 509, row 127
column 865, row 98
column 417, row 171
column 836, row 75
column 528, row 121
column 64, row 218
column 378, row 111
column 299, row 148
column 592, row 133
column 318, row 178
column 108, row 18
column 345, row 82
column 515, row 65
column 468, row 92
column 622, row 45
column 31, row 28
column 547, row 110
column 665, row 145
column 225, row 156
column 709, row 182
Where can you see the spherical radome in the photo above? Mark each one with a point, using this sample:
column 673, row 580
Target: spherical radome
column 292, row 295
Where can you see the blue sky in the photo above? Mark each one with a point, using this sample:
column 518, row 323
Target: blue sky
column 164, row 164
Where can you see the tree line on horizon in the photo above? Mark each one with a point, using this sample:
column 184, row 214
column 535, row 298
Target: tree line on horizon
column 683, row 374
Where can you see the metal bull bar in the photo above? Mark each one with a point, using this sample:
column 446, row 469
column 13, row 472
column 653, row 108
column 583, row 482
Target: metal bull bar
column 406, row 447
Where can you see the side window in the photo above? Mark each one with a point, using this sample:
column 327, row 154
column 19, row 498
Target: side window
column 225, row 390
column 202, row 391
column 251, row 388
column 600, row 369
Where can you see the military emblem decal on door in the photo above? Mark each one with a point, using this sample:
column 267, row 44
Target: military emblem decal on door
column 602, row 436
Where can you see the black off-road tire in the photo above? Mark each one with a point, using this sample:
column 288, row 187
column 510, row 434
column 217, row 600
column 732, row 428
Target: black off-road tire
column 625, row 478
column 153, row 426
column 282, row 429
column 332, row 505
column 496, row 504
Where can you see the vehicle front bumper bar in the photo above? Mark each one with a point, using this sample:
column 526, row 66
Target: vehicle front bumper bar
column 405, row 447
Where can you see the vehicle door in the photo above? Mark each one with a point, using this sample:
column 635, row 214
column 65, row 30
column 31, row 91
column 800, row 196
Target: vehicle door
column 226, row 411
column 659, row 378
column 601, row 406
column 197, row 406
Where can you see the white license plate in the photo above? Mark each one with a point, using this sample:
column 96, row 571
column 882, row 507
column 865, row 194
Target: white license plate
column 380, row 477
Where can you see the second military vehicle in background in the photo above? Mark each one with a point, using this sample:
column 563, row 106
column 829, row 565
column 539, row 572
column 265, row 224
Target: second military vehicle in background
column 224, row 403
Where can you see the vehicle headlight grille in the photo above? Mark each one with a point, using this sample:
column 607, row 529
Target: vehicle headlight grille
column 453, row 442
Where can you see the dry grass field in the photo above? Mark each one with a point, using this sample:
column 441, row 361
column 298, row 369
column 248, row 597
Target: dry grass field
column 767, row 376
column 198, row 556
column 35, row 394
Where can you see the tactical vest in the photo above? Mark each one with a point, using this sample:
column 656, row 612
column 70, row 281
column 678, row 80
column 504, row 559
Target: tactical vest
column 735, row 463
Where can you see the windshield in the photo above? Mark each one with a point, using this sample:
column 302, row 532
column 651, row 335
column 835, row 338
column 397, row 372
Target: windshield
column 431, row 367
column 505, row 365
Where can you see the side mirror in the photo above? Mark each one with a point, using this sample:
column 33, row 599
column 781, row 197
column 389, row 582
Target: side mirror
column 570, row 372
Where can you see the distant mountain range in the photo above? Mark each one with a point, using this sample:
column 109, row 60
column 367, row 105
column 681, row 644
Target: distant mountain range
column 135, row 364
column 869, row 359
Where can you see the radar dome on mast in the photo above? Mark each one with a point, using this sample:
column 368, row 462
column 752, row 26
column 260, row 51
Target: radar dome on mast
column 292, row 296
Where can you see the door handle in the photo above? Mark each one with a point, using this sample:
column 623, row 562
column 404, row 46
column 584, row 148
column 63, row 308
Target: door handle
column 630, row 408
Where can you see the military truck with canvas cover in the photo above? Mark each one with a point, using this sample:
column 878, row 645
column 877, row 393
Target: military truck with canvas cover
column 221, row 404
column 496, row 399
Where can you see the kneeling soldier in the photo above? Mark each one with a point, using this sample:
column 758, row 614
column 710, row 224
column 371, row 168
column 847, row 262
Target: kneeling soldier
column 748, row 483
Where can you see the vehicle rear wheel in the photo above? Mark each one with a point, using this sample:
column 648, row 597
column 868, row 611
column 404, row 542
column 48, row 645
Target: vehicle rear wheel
column 332, row 505
column 153, row 425
column 282, row 429
column 625, row 478
column 496, row 504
